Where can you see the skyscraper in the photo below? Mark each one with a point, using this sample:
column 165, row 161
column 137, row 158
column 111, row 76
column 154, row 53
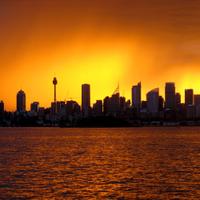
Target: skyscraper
column 197, row 99
column 153, row 101
column 136, row 96
column 170, row 95
column 189, row 97
column 115, row 104
column 21, row 101
column 97, row 108
column 178, row 99
column 197, row 104
column 85, row 99
column 35, row 107
column 112, row 105
column 161, row 103
column 72, row 108
column 106, row 104
column 122, row 104
column 1, row 107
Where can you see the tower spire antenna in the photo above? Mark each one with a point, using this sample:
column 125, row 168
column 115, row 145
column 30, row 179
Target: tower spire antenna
column 117, row 89
column 55, row 82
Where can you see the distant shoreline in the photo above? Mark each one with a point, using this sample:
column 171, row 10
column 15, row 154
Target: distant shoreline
column 83, row 127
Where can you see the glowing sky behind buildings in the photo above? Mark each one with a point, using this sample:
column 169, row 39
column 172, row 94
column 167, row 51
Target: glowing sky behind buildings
column 100, row 42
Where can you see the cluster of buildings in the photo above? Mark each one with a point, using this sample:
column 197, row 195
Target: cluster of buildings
column 154, row 109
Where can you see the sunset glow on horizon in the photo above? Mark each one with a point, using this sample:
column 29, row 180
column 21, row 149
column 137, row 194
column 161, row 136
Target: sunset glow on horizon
column 102, row 43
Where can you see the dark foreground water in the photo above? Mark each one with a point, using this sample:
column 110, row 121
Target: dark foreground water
column 126, row 163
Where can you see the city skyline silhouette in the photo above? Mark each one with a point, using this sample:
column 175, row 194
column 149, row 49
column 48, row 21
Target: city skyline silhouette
column 112, row 110
column 142, row 95
column 100, row 99
column 97, row 42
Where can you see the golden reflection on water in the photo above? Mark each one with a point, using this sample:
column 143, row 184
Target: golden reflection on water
column 126, row 163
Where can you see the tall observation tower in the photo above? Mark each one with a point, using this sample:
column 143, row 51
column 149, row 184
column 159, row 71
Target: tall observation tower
column 55, row 82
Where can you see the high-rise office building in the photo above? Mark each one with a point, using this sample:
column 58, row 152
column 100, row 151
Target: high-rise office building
column 41, row 112
column 136, row 96
column 144, row 105
column 128, row 104
column 122, row 104
column 112, row 105
column 177, row 99
column 35, row 107
column 170, row 93
column 60, row 106
column 189, row 96
column 197, row 99
column 197, row 104
column 97, row 108
column 161, row 103
column 21, row 101
column 106, row 104
column 115, row 104
column 72, row 108
column 1, row 107
column 86, row 99
column 190, row 112
column 153, row 101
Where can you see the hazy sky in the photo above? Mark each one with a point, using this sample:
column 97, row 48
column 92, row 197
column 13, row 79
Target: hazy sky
column 101, row 42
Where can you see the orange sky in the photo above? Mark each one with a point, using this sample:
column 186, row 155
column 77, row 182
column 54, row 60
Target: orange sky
column 101, row 42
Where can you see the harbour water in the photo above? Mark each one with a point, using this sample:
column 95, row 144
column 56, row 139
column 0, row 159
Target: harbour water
column 114, row 163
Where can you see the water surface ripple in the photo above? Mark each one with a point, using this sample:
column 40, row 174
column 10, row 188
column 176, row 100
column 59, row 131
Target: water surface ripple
column 124, row 163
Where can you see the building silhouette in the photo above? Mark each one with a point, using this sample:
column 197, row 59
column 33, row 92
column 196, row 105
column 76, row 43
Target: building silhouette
column 189, row 96
column 41, row 112
column 60, row 105
column 35, row 107
column 177, row 100
column 113, row 109
column 153, row 101
column 21, row 101
column 122, row 104
column 114, row 106
column 197, row 99
column 115, row 103
column 161, row 103
column 136, row 96
column 170, row 93
column 106, row 104
column 85, row 99
column 97, row 108
column 144, row 105
column 190, row 112
column 197, row 104
column 1, row 107
column 55, row 82
column 72, row 108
